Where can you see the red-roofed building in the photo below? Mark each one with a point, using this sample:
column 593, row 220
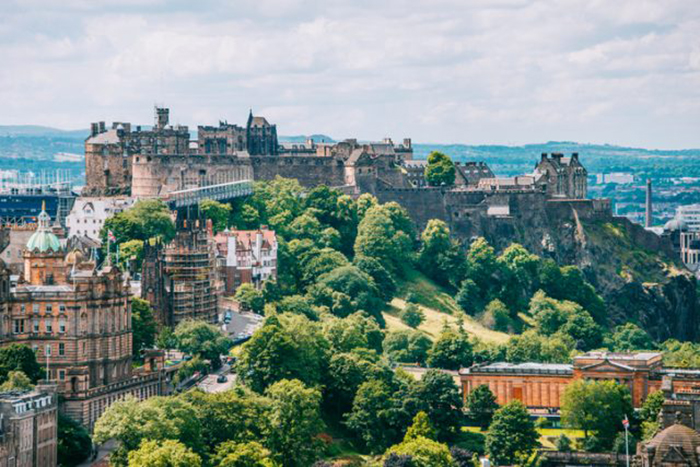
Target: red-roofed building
column 246, row 257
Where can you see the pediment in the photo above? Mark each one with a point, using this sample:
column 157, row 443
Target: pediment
column 607, row 365
column 675, row 455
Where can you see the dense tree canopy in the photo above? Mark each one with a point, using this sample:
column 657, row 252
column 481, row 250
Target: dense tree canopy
column 146, row 219
column 512, row 435
column 217, row 213
column 168, row 453
column 144, row 326
column 74, row 443
column 440, row 170
column 19, row 357
column 451, row 351
column 481, row 405
column 202, row 339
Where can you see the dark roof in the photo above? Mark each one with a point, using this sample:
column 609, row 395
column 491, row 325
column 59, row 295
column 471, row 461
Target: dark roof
column 529, row 368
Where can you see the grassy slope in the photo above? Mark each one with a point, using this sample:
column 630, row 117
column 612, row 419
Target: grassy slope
column 438, row 306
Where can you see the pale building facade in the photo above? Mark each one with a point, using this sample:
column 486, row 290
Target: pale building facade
column 246, row 257
column 90, row 213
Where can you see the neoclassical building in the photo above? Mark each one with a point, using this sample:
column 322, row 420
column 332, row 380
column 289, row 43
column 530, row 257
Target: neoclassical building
column 76, row 317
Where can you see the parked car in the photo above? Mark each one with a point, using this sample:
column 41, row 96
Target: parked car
column 221, row 379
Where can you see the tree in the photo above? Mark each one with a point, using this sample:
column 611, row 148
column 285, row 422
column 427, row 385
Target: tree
column 412, row 316
column 651, row 407
column 203, row 339
column 250, row 298
column 321, row 262
column 129, row 422
column 238, row 415
column 290, row 347
column 469, row 297
column 624, row 444
column 380, row 236
column 629, row 337
column 563, row 443
column 421, row 427
column 596, row 407
column 512, row 435
column 358, row 330
column 346, row 290
column 74, row 443
column 143, row 325
column 347, row 372
column 297, row 304
column 19, row 357
column 295, row 422
column 146, row 219
column 424, row 452
column 532, row 347
column 481, row 405
column 451, row 351
column 440, row 170
column 482, row 266
column 519, row 268
column 131, row 253
column 250, row 454
column 168, row 453
column 407, row 346
column 384, row 281
column 554, row 316
column 16, row 381
column 439, row 256
column 438, row 396
column 496, row 316
column 217, row 213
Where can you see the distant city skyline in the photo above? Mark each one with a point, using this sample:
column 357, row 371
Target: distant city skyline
column 506, row 72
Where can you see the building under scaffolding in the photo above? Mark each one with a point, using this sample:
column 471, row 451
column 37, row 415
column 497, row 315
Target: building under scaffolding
column 179, row 279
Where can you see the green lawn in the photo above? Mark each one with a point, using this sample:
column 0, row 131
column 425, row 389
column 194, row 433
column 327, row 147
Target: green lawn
column 438, row 305
column 547, row 435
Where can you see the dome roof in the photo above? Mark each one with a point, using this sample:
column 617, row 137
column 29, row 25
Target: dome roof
column 43, row 242
column 75, row 257
column 676, row 225
column 674, row 437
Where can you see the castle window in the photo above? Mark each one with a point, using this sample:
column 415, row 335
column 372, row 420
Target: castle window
column 48, row 325
column 61, row 349
column 35, row 325
column 18, row 326
column 35, row 307
column 62, row 326
column 62, row 309
column 49, row 309
column 61, row 375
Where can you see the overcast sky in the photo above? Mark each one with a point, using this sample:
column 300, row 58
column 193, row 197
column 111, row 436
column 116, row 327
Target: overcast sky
column 451, row 71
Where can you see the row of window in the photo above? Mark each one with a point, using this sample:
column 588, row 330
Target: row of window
column 48, row 308
column 48, row 349
column 18, row 326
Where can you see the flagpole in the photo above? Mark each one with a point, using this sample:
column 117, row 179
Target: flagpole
column 627, row 442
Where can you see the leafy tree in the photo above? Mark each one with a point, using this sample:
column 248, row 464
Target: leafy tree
column 143, row 325
column 245, row 216
column 407, row 346
column 278, row 202
column 563, row 443
column 624, row 444
column 189, row 368
column 496, row 316
column 74, row 443
column 203, row 339
column 347, row 372
column 131, row 252
column 439, row 256
column 532, row 347
column 469, row 297
column 421, row 427
column 512, row 435
column 379, row 237
column 481, row 405
column 299, row 305
column 554, row 316
column 16, row 381
column 168, row 453
column 280, row 351
column 440, row 170
column 306, row 226
column 237, row 415
column 412, row 316
column 146, row 219
column 250, row 298
column 629, row 337
column 651, row 407
column 519, row 269
column 250, row 454
column 437, row 395
column 547, row 312
column 19, row 357
column 129, row 422
column 346, row 290
column 217, row 213
column 424, row 452
column 676, row 354
column 596, row 407
column 165, row 339
column 482, row 267
column 374, row 418
column 451, row 351
column 295, row 422
column 384, row 281
column 364, row 203
column 356, row 331
column 568, row 283
column 321, row 262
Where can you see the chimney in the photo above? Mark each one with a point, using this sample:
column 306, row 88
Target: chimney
column 407, row 143
column 574, row 156
column 557, row 155
column 648, row 217
column 102, row 127
column 543, row 157
column 94, row 129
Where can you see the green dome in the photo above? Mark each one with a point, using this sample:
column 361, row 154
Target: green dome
column 43, row 242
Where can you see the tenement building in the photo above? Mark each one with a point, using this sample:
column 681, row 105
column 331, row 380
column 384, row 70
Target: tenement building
column 541, row 385
column 246, row 257
column 29, row 428
column 76, row 317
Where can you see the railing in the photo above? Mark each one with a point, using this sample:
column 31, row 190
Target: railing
column 192, row 196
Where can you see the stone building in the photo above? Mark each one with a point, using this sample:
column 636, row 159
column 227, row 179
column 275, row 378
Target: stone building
column 565, row 176
column 29, row 428
column 246, row 257
column 89, row 214
column 540, row 385
column 225, row 139
column 180, row 279
column 261, row 137
column 76, row 317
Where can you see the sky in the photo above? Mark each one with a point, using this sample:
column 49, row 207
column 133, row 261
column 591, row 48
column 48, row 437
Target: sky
column 623, row 72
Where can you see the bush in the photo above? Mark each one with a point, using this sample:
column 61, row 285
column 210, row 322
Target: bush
column 412, row 316
column 563, row 443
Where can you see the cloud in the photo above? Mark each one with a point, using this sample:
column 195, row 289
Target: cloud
column 484, row 71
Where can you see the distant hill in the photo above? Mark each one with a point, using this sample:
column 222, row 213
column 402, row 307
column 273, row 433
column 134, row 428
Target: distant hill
column 41, row 131
column 304, row 138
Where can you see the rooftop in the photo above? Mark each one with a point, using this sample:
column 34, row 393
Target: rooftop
column 522, row 368
column 637, row 356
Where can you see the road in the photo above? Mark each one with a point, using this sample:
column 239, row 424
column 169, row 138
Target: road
column 209, row 383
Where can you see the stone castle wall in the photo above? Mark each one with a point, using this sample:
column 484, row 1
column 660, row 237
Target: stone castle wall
column 309, row 170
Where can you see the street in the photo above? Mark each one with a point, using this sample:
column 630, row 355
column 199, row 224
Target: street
column 209, row 384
